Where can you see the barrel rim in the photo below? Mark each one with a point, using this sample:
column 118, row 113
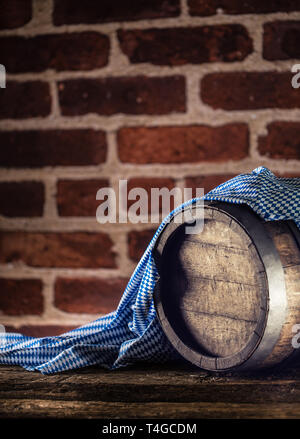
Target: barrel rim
column 262, row 342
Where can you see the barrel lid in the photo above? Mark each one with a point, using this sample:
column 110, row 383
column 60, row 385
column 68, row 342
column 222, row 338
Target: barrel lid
column 213, row 296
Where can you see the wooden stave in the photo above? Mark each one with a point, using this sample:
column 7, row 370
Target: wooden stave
column 267, row 341
column 283, row 349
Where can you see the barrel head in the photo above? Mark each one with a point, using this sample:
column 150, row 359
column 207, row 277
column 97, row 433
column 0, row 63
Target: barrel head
column 212, row 298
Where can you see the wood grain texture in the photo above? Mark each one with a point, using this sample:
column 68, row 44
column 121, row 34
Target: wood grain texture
column 218, row 285
column 159, row 410
column 169, row 391
column 218, row 289
column 289, row 253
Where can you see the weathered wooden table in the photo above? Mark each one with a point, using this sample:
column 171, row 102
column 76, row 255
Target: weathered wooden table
column 171, row 391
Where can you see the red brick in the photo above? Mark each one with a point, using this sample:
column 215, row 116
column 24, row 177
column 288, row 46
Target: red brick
column 89, row 11
column 78, row 197
column 178, row 46
column 148, row 184
column 39, row 330
column 208, row 182
column 210, row 7
column 249, row 90
column 282, row 141
column 21, row 100
column 20, row 54
column 24, row 199
column 131, row 95
column 281, row 40
column 15, row 13
column 74, row 250
column 88, row 295
column 138, row 242
column 21, row 296
column 184, row 144
column 33, row 149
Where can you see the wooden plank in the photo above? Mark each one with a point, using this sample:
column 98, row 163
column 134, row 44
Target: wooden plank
column 229, row 233
column 149, row 391
column 233, row 299
column 218, row 262
column 96, row 410
column 220, row 335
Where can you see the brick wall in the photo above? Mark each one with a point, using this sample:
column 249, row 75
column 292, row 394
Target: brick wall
column 159, row 92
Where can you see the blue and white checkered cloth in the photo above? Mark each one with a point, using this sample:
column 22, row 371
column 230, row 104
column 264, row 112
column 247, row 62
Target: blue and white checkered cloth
column 132, row 332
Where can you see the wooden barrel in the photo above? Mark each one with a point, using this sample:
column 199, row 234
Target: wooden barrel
column 228, row 296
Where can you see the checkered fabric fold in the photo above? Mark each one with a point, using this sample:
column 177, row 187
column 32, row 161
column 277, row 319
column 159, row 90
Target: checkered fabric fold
column 132, row 332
